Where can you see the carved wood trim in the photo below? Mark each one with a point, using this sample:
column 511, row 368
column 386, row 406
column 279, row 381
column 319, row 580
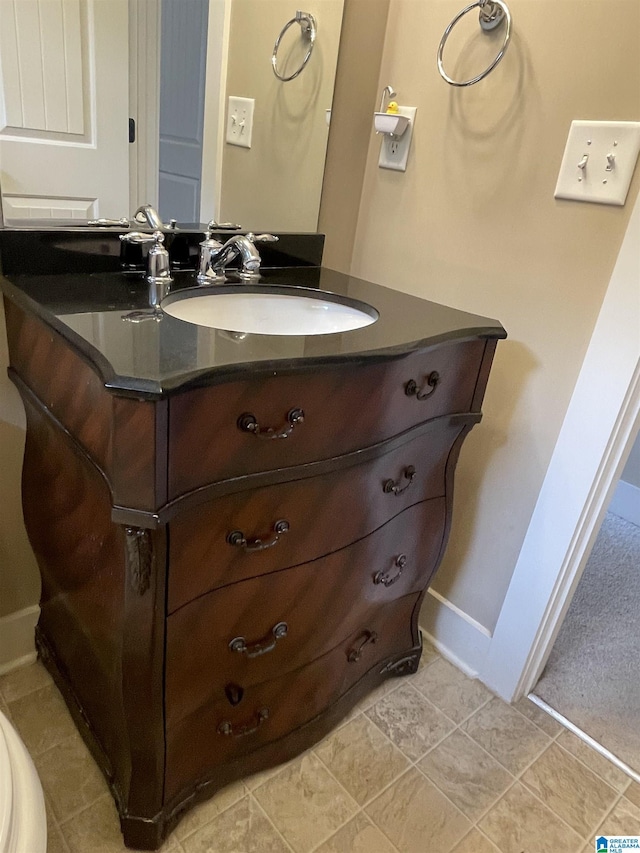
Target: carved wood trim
column 405, row 666
column 139, row 558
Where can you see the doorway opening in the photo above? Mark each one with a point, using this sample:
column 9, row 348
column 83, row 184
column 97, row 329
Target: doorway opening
column 591, row 680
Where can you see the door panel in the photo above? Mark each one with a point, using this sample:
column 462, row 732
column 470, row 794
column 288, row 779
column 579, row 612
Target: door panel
column 64, row 108
column 36, row 207
column 183, row 67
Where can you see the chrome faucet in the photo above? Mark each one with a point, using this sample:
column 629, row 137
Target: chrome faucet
column 148, row 215
column 158, row 267
column 215, row 256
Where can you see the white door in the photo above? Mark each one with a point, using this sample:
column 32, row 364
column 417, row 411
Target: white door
column 183, row 60
column 64, row 109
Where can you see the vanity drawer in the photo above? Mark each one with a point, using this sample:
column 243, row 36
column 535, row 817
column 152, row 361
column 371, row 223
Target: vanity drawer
column 221, row 431
column 218, row 731
column 318, row 515
column 236, row 634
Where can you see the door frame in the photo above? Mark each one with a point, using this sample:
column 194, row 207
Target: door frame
column 144, row 99
column 598, row 432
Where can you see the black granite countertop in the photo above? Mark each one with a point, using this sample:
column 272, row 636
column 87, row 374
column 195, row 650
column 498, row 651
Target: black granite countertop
column 156, row 357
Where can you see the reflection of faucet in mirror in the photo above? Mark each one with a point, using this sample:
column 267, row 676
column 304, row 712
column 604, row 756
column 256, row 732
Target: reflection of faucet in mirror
column 215, row 256
column 148, row 215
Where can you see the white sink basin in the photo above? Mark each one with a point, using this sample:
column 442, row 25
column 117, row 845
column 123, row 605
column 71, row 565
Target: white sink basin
column 269, row 310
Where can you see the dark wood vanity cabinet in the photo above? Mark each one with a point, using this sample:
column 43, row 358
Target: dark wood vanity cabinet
column 227, row 569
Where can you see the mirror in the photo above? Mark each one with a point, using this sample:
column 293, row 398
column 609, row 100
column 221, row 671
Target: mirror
column 275, row 184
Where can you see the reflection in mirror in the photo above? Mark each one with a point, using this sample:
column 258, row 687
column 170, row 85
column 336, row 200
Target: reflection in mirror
column 66, row 68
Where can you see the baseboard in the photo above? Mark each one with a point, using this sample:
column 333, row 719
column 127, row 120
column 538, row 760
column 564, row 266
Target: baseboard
column 455, row 634
column 626, row 502
column 17, row 638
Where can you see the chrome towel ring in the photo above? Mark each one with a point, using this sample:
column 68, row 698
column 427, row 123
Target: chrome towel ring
column 309, row 29
column 492, row 14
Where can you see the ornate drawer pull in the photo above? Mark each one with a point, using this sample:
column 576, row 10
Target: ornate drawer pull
column 390, row 487
column 226, row 728
column 249, row 423
column 385, row 578
column 267, row 644
column 411, row 388
column 237, row 538
column 354, row 654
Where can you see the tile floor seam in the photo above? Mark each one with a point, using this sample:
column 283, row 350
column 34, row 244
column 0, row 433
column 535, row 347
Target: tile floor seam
column 522, row 714
column 435, row 746
column 549, row 808
column 437, row 743
column 529, row 720
column 581, row 838
column 364, row 714
column 590, row 835
column 61, row 743
column 376, row 824
column 377, row 794
column 520, row 775
column 484, row 835
column 431, row 782
column 360, row 811
column 520, row 779
column 475, row 743
column 270, row 821
column 340, row 785
column 469, row 715
column 56, row 823
column 63, row 839
column 338, row 782
column 215, row 816
column 381, row 830
column 82, row 808
column 474, row 821
column 524, row 770
column 401, row 680
column 63, row 823
column 595, row 772
column 335, row 832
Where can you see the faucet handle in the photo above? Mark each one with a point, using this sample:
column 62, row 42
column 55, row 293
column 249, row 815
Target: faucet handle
column 262, row 238
column 159, row 270
column 140, row 237
column 223, row 226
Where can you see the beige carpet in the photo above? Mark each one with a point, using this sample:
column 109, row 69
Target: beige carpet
column 593, row 675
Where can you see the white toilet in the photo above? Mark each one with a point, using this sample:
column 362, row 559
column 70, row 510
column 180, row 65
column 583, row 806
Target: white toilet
column 23, row 821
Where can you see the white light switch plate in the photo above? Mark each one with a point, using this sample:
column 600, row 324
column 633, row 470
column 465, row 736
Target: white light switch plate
column 608, row 151
column 394, row 151
column 240, row 121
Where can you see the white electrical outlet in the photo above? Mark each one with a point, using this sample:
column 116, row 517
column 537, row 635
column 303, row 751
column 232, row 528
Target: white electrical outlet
column 598, row 161
column 394, row 150
column 240, row 121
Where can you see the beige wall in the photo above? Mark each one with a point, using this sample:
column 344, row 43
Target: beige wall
column 363, row 32
column 276, row 184
column 473, row 224
column 19, row 579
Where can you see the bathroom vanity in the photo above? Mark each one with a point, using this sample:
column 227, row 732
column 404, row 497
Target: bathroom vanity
column 234, row 531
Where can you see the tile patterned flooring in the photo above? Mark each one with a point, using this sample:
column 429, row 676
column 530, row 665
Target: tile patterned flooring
column 429, row 762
